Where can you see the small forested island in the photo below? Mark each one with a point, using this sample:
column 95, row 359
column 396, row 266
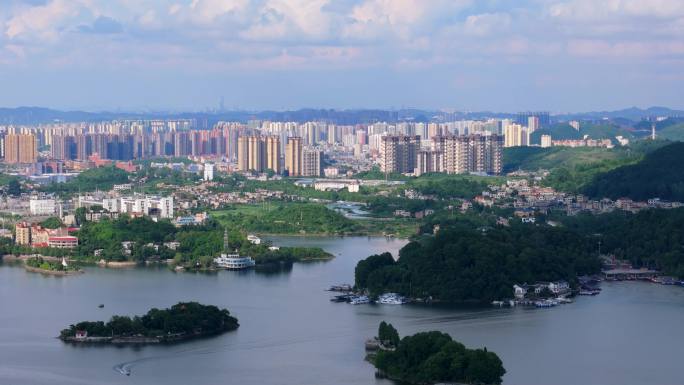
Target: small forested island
column 433, row 357
column 183, row 321
column 50, row 267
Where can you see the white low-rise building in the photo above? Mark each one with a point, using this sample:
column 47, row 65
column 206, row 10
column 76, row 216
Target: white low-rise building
column 42, row 206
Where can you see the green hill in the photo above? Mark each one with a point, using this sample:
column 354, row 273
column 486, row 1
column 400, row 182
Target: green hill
column 558, row 131
column 659, row 174
column 672, row 132
column 534, row 158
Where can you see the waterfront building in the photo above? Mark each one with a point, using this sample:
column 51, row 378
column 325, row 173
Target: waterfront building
column 22, row 233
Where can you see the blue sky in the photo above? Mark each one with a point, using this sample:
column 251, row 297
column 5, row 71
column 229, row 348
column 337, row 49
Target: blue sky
column 504, row 55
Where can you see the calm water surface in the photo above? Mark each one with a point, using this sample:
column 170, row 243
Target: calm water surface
column 292, row 334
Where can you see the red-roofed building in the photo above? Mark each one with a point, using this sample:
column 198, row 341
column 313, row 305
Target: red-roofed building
column 63, row 242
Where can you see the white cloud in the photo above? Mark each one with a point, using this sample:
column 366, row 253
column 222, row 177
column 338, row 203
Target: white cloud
column 611, row 9
column 43, row 21
column 485, row 24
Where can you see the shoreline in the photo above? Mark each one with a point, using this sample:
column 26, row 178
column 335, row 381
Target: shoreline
column 59, row 273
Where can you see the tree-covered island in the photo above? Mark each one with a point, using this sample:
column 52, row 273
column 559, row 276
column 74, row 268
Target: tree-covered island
column 50, row 266
column 183, row 321
column 433, row 357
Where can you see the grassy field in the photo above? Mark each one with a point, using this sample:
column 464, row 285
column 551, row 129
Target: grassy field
column 308, row 218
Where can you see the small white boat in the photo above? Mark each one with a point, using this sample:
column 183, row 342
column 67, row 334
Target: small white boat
column 359, row 300
column 392, row 299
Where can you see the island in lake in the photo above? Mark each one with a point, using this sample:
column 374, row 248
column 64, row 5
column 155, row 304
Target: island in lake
column 50, row 266
column 183, row 321
column 431, row 357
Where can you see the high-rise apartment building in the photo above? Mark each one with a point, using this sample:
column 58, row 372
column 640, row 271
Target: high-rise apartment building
column 398, row 153
column 20, row 148
column 428, row 161
column 546, row 141
column 532, row 124
column 311, row 162
column 273, row 154
column 516, row 135
column 460, row 154
column 293, row 156
column 243, row 153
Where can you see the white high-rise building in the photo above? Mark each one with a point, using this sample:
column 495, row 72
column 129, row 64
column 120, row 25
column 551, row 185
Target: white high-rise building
column 546, row 141
column 208, row 171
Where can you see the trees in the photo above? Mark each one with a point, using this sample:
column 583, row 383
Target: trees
column 463, row 264
column 388, row 335
column 658, row 175
column 431, row 357
column 188, row 318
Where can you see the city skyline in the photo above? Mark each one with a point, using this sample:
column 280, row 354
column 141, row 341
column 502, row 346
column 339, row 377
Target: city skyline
column 555, row 55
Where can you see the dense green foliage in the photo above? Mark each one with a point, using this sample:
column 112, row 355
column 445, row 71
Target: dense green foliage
column 51, row 223
column 13, row 186
column 574, row 179
column 388, row 335
column 182, row 319
column 659, row 175
column 102, row 178
column 451, row 186
column 43, row 264
column 463, row 264
column 289, row 218
column 649, row 238
column 560, row 131
column 109, row 234
column 198, row 244
column 432, row 357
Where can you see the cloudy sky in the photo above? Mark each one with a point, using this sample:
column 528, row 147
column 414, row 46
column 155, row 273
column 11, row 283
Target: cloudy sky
column 504, row 55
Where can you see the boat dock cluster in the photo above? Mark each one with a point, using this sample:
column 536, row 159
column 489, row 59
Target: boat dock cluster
column 349, row 296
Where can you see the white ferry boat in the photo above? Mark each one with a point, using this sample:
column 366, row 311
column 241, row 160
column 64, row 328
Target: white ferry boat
column 234, row 262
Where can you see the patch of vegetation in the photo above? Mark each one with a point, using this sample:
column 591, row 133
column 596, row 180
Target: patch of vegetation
column 649, row 238
column 102, row 178
column 465, row 264
column 290, row 218
column 43, row 264
column 183, row 320
column 434, row 357
column 659, row 175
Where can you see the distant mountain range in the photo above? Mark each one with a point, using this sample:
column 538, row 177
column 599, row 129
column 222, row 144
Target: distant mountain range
column 37, row 115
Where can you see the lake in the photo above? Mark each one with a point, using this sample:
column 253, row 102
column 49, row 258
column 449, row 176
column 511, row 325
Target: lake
column 292, row 334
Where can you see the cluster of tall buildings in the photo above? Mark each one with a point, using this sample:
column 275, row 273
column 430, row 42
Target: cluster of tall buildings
column 452, row 154
column 261, row 153
column 20, row 148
